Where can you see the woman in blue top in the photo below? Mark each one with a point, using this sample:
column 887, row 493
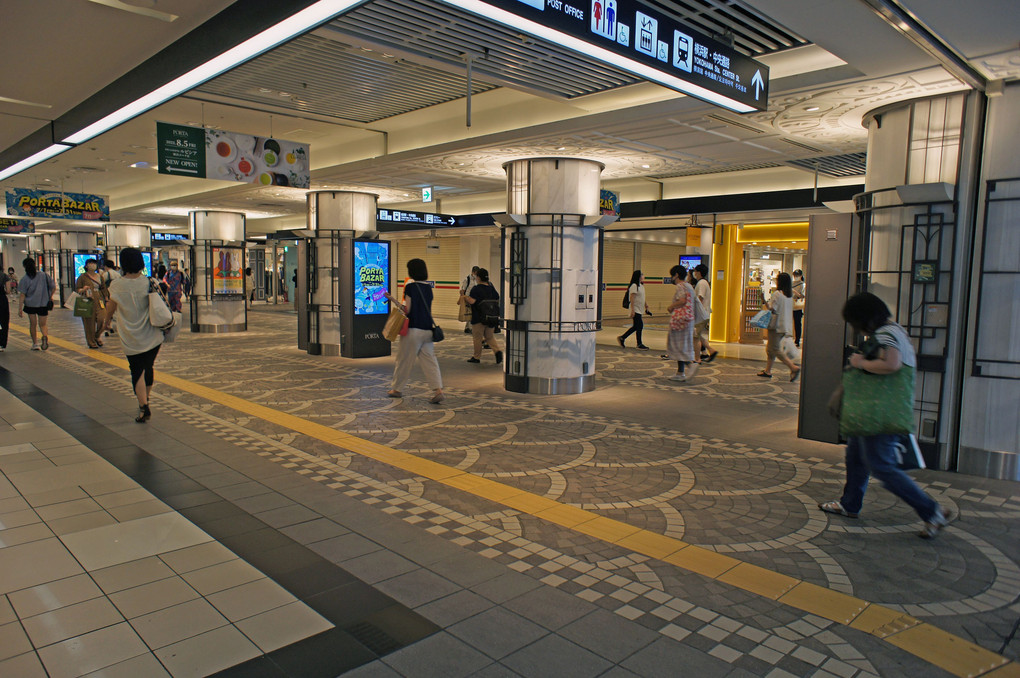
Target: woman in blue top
column 36, row 290
column 417, row 343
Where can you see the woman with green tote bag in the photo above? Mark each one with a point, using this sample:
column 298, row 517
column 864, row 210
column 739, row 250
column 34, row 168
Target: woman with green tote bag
column 877, row 409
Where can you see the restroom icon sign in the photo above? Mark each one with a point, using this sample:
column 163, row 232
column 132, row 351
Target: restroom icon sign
column 646, row 34
column 603, row 18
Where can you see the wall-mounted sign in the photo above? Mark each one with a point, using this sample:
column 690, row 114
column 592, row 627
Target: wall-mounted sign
column 926, row 271
column 426, row 194
column 643, row 41
column 231, row 156
column 16, row 226
column 609, row 203
column 28, row 202
column 405, row 217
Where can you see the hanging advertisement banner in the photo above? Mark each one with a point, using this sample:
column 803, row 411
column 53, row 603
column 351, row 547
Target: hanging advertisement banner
column 609, row 203
column 231, row 156
column 16, row 226
column 29, row 202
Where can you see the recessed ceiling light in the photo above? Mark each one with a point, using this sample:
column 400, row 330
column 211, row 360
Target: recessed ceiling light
column 646, row 166
column 562, row 148
column 811, row 109
column 141, row 164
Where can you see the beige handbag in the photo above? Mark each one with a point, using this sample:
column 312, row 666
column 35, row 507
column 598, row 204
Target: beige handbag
column 395, row 324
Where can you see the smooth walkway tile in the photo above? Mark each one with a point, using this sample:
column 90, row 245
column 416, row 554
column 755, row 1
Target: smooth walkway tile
column 114, row 544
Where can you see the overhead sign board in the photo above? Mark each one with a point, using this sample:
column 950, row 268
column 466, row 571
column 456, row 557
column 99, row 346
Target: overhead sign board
column 643, row 41
column 159, row 238
column 421, row 218
column 16, row 226
column 231, row 156
column 29, row 202
column 426, row 194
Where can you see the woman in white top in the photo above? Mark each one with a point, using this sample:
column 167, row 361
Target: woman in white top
column 636, row 303
column 781, row 305
column 129, row 299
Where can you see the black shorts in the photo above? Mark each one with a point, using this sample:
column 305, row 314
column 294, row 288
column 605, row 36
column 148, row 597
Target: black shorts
column 40, row 311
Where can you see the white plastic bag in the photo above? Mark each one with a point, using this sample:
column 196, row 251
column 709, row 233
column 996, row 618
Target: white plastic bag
column 789, row 348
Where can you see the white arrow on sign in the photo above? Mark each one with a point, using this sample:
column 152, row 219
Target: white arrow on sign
column 758, row 83
column 451, row 221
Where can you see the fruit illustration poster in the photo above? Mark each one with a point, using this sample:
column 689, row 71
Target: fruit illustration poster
column 230, row 156
column 228, row 270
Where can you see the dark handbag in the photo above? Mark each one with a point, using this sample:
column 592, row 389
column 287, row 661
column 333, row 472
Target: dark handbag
column 84, row 308
column 437, row 331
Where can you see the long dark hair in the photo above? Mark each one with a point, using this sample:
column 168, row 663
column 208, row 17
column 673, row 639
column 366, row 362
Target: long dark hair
column 635, row 279
column 866, row 312
column 784, row 284
column 29, row 264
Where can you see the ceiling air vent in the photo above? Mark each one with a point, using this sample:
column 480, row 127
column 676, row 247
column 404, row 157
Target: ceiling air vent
column 849, row 165
column 798, row 144
column 735, row 123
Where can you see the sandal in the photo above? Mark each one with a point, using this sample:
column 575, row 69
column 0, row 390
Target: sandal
column 711, row 357
column 767, row 375
column 837, row 508
column 794, row 374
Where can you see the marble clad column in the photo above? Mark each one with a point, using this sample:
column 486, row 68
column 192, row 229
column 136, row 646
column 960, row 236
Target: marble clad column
column 212, row 311
column 332, row 216
column 552, row 242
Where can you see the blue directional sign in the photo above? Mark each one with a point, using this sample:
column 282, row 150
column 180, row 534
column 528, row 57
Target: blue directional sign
column 641, row 40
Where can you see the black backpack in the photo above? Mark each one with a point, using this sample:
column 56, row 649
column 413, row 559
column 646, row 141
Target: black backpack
column 488, row 309
column 626, row 298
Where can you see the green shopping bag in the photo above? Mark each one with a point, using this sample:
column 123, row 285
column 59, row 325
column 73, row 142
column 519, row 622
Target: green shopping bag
column 875, row 404
column 84, row 308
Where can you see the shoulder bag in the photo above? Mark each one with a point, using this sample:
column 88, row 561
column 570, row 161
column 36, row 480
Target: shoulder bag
column 396, row 324
column 681, row 317
column 875, row 404
column 437, row 331
column 160, row 315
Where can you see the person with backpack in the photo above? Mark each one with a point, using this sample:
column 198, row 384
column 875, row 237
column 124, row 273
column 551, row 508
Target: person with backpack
column 484, row 302
column 634, row 299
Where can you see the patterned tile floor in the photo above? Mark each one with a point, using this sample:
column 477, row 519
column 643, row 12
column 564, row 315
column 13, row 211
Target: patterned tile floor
column 714, row 462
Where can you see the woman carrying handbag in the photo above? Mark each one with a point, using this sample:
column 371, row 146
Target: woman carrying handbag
column 90, row 302
column 418, row 344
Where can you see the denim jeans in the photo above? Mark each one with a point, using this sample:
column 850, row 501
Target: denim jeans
column 868, row 456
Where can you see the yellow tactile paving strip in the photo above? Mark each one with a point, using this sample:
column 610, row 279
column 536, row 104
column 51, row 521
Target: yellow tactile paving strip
column 946, row 651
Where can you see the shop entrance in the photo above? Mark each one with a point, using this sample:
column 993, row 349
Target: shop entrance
column 762, row 264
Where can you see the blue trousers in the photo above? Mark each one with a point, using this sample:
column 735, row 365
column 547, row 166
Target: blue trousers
column 868, row 456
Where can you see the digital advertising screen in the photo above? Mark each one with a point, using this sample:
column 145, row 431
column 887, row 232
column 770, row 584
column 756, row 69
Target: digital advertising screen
column 228, row 270
column 79, row 262
column 371, row 277
column 147, row 261
column 689, row 261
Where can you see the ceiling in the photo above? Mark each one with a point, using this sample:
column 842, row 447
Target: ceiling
column 379, row 94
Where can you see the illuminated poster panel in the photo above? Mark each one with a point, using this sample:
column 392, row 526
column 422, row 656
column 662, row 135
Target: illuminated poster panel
column 371, row 277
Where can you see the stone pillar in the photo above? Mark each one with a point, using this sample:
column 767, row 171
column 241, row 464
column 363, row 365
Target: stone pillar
column 324, row 315
column 552, row 243
column 217, row 272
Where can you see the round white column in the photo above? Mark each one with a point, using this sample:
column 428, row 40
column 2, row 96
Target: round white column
column 552, row 247
column 210, row 311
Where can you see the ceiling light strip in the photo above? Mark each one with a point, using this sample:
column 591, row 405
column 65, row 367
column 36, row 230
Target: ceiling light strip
column 41, row 156
column 556, row 37
column 308, row 18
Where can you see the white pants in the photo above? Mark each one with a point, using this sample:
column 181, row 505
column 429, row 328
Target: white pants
column 417, row 344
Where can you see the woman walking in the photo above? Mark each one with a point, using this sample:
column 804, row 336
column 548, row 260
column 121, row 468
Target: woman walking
column 872, row 437
column 703, row 292
column 249, row 283
column 417, row 344
column 781, row 305
column 36, row 290
column 680, row 344
column 88, row 286
column 636, row 303
column 799, row 297
column 129, row 299
column 481, row 331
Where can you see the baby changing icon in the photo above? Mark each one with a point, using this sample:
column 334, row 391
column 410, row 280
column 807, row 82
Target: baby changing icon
column 646, row 37
column 603, row 18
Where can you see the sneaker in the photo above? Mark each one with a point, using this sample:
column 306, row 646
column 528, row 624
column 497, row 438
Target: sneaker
column 942, row 518
column 664, row 356
column 473, row 360
column 711, row 356
column 499, row 357
column 678, row 377
column 764, row 374
column 619, row 340
column 45, row 342
column 35, row 347
column 642, row 347
column 692, row 369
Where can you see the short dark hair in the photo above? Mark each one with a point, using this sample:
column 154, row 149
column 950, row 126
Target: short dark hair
column 482, row 275
column 866, row 312
column 110, row 264
column 702, row 269
column 799, row 273
column 131, row 260
column 418, row 269
column 679, row 271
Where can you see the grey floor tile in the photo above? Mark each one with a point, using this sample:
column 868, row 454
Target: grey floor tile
column 13, row 640
column 376, row 669
column 142, row 666
column 157, row 595
column 25, row 665
column 114, row 544
column 315, row 530
column 549, row 607
column 73, row 620
column 283, row 625
column 246, row 600
column 438, row 656
column 556, row 656
column 377, row 566
column 173, row 624
column 34, row 563
column 207, row 653
column 506, row 586
column 53, row 595
column 229, row 574
column 92, row 651
column 287, row 515
column 197, row 557
column 344, row 547
column 417, row 587
column 497, row 632
column 24, row 534
column 661, row 658
column 266, row 501
column 608, row 635
column 468, row 569
column 454, row 608
column 131, row 574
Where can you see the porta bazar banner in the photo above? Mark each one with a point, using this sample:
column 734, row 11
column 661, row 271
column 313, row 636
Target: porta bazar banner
column 231, row 156
column 28, row 202
column 16, row 226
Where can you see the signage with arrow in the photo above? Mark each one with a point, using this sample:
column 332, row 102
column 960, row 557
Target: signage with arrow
column 414, row 218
